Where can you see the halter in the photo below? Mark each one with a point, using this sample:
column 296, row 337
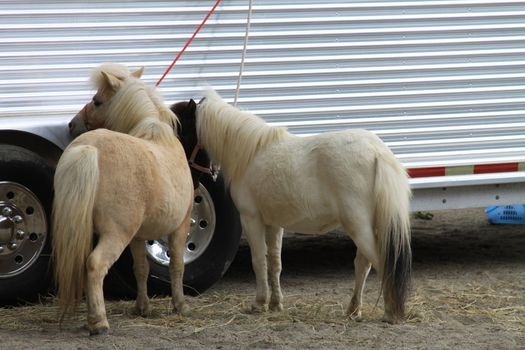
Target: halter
column 84, row 117
column 212, row 170
column 83, row 113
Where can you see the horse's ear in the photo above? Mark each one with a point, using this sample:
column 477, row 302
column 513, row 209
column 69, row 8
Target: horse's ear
column 138, row 73
column 111, row 80
column 192, row 106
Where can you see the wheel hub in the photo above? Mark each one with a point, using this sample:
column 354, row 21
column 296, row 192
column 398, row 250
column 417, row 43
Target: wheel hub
column 199, row 237
column 10, row 222
column 23, row 228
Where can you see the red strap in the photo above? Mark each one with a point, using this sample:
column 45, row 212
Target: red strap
column 211, row 170
column 193, row 155
column 188, row 42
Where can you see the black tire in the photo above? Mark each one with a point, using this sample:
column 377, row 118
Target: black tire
column 199, row 274
column 28, row 174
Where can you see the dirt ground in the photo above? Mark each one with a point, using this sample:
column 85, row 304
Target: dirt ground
column 468, row 293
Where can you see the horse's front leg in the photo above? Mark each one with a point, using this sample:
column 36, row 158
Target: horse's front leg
column 141, row 270
column 362, row 268
column 177, row 243
column 107, row 251
column 254, row 230
column 274, row 240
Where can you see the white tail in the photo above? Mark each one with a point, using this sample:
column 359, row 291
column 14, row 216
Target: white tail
column 76, row 181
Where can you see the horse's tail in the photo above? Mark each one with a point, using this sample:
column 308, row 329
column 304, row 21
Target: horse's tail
column 76, row 182
column 392, row 223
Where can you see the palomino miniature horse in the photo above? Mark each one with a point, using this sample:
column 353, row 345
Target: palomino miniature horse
column 125, row 188
column 313, row 184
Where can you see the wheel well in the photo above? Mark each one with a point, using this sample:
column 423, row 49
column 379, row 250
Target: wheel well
column 34, row 143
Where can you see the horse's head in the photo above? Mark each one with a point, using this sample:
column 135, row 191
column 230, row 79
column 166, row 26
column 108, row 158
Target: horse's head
column 108, row 79
column 185, row 111
column 198, row 158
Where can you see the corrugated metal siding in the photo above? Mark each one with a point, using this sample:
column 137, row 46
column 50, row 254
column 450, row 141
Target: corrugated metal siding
column 442, row 82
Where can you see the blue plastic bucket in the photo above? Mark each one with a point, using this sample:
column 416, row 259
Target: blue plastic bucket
column 508, row 214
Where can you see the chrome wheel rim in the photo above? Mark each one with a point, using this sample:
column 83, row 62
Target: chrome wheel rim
column 23, row 228
column 201, row 231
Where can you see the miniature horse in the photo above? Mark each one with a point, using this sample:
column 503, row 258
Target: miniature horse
column 127, row 185
column 313, row 184
column 198, row 158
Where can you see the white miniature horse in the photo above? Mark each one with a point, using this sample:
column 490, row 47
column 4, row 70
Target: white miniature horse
column 128, row 185
column 316, row 184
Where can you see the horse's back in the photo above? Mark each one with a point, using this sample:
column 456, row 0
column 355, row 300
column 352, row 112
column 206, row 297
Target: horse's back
column 138, row 176
column 123, row 154
column 303, row 183
column 349, row 153
column 325, row 156
column 352, row 143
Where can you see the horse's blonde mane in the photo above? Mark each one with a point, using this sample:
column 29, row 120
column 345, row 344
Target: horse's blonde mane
column 135, row 108
column 232, row 137
column 119, row 71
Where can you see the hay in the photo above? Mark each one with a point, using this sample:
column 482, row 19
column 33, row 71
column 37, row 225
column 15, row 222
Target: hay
column 472, row 304
column 216, row 310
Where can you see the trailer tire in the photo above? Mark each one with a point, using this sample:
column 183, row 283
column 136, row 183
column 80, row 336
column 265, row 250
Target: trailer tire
column 26, row 194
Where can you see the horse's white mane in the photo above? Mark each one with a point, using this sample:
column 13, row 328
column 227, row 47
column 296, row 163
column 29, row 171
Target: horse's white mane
column 232, row 137
column 135, row 108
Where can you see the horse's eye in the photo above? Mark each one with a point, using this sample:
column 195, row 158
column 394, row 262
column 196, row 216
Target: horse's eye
column 96, row 102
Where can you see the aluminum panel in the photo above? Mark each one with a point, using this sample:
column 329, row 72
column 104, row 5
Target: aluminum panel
column 440, row 81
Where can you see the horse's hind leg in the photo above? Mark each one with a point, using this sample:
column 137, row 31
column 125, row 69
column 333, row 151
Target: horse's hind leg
column 362, row 268
column 274, row 239
column 107, row 251
column 141, row 270
column 359, row 228
column 255, row 234
column 177, row 243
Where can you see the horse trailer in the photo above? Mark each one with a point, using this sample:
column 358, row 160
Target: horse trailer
column 439, row 81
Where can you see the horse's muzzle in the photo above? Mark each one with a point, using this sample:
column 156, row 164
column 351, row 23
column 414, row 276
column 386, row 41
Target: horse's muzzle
column 77, row 126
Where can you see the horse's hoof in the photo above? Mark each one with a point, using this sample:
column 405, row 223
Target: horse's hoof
column 183, row 310
column 136, row 311
column 99, row 331
column 258, row 308
column 391, row 319
column 276, row 307
column 354, row 314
